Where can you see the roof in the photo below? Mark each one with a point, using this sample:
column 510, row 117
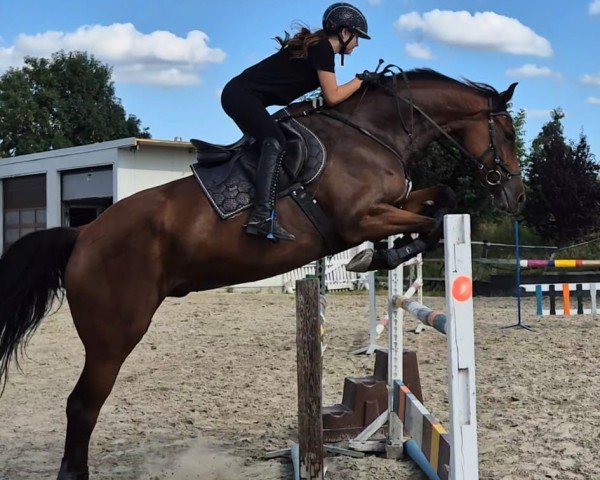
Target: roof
column 123, row 143
column 150, row 142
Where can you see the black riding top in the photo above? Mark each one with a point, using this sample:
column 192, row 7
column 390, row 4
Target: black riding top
column 280, row 79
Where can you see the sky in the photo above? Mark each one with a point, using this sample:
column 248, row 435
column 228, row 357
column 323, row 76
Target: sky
column 171, row 59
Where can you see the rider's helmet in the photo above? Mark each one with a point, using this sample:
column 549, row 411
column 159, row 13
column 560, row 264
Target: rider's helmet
column 340, row 15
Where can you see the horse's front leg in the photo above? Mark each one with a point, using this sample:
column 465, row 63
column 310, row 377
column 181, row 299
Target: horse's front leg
column 421, row 213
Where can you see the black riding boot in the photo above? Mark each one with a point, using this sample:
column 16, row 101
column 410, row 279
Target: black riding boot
column 263, row 220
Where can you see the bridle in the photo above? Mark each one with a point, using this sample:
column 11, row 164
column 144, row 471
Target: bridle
column 493, row 176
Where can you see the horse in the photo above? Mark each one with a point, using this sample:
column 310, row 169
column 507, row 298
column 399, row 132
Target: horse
column 168, row 241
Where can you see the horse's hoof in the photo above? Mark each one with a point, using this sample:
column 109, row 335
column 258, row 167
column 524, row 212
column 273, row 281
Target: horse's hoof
column 369, row 260
column 361, row 261
column 73, row 476
column 63, row 474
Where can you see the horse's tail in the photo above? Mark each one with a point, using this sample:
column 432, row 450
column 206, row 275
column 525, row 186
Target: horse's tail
column 32, row 275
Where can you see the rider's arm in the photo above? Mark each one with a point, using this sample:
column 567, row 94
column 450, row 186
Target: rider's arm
column 334, row 93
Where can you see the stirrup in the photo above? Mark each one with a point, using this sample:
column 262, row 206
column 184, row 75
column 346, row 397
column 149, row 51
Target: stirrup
column 270, row 228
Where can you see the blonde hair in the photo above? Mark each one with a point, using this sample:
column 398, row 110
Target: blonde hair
column 301, row 41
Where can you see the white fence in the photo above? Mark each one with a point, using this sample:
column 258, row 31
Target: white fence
column 336, row 276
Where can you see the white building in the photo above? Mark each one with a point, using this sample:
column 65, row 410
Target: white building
column 72, row 186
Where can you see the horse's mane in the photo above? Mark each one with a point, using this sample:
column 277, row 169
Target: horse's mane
column 428, row 74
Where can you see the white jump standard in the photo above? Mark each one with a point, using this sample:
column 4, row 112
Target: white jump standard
column 441, row 456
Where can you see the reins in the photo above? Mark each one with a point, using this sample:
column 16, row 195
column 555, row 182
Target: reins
column 477, row 161
column 493, row 176
column 318, row 108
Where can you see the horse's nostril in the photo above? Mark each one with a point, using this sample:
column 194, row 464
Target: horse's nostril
column 521, row 198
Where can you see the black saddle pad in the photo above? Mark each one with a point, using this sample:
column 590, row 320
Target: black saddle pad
column 230, row 185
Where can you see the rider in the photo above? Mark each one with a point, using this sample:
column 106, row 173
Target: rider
column 303, row 63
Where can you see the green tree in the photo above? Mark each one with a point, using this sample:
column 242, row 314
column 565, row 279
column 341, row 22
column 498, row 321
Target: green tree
column 64, row 101
column 441, row 163
column 563, row 190
column 519, row 119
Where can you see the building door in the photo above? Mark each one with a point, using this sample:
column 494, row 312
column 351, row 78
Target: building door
column 24, row 200
column 81, row 215
column 86, row 193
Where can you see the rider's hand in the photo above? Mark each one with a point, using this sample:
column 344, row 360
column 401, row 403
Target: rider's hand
column 369, row 78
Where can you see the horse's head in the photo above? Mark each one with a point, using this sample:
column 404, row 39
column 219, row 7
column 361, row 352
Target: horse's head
column 489, row 140
column 473, row 116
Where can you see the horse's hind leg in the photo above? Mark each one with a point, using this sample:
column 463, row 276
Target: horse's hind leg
column 109, row 334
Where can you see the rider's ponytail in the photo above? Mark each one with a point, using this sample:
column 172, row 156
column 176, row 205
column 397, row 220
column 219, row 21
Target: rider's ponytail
column 301, row 41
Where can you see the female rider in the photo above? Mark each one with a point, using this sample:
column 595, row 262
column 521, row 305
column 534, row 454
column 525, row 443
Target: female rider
column 303, row 63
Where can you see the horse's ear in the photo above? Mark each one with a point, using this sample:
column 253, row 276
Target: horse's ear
column 507, row 95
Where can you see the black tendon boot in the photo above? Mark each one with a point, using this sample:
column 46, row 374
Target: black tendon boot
column 263, row 220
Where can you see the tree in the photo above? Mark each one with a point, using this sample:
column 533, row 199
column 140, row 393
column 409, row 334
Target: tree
column 442, row 163
column 519, row 126
column 564, row 193
column 64, row 101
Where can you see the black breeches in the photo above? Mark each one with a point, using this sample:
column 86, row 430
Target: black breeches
column 250, row 114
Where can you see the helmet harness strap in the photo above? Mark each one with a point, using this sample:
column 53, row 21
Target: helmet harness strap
column 343, row 43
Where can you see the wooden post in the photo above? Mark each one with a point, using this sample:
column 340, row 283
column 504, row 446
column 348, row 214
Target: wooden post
column 309, row 364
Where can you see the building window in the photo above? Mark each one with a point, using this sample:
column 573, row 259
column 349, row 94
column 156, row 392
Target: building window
column 24, row 206
column 18, row 223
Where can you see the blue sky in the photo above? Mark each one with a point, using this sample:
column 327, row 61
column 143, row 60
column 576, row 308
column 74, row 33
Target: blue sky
column 171, row 59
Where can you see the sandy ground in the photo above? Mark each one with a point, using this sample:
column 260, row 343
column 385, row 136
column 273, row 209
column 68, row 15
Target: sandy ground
column 212, row 388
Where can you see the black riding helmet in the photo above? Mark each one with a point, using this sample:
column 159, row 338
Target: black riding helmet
column 340, row 15
column 343, row 15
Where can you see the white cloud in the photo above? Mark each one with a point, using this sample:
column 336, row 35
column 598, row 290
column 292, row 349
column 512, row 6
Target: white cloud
column 418, row 50
column 593, row 101
column 157, row 58
column 531, row 70
column 595, row 7
column 593, row 79
column 480, row 31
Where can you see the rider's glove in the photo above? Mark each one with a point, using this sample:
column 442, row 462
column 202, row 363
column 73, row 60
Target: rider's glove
column 369, row 78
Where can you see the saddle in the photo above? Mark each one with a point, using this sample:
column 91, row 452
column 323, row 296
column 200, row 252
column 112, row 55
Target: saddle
column 227, row 173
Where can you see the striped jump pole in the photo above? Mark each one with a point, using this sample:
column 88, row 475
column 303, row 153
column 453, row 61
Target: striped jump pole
column 433, row 318
column 559, row 263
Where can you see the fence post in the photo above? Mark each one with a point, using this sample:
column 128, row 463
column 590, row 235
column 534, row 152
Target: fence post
column 309, row 365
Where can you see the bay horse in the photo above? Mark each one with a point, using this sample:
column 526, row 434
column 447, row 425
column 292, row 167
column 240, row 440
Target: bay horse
column 168, row 240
